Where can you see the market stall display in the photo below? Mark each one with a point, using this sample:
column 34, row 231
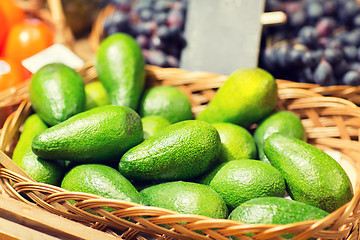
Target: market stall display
column 94, row 164
column 330, row 124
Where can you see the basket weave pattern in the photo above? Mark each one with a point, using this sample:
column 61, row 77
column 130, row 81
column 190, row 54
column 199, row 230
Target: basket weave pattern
column 331, row 124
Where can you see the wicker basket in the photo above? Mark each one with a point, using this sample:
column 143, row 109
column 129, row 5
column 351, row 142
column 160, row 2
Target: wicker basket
column 51, row 12
column 332, row 124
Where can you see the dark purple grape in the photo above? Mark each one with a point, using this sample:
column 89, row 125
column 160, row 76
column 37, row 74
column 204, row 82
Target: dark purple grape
column 146, row 28
column 329, row 32
column 358, row 54
column 291, row 7
column 348, row 11
column 180, row 6
column 142, row 40
column 139, row 5
column 122, row 5
column 333, row 55
column 117, row 22
column 175, row 18
column 311, row 58
column 308, row 36
column 314, row 11
column 333, row 43
column 156, row 25
column 274, row 5
column 323, row 73
column 120, row 2
column 282, row 53
column 354, row 66
column 297, row 19
column 162, row 5
column 279, row 36
column 340, row 69
column 352, row 37
column 295, row 57
column 308, row 75
column 111, row 30
column 160, row 18
column 325, row 26
column 163, row 32
column 156, row 57
column 356, row 21
column 174, row 31
column 323, row 41
column 350, row 53
column 330, row 7
column 145, row 14
column 171, row 50
column 351, row 78
column 269, row 59
column 145, row 53
column 341, row 36
column 116, row 18
column 157, row 43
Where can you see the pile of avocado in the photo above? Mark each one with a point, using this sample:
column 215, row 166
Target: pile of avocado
column 240, row 158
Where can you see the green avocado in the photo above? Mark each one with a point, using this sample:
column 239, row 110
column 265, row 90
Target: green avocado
column 311, row 175
column 186, row 197
column 39, row 169
column 275, row 210
column 102, row 135
column 284, row 122
column 153, row 124
column 166, row 101
column 238, row 181
column 236, row 142
column 181, row 151
column 246, row 97
column 101, row 180
column 57, row 92
column 120, row 67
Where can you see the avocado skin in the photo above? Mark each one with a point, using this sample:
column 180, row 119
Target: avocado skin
column 166, row 101
column 153, row 124
column 100, row 135
column 39, row 169
column 311, row 175
column 284, row 122
column 275, row 210
column 33, row 126
column 186, row 197
column 238, row 181
column 57, row 92
column 236, row 142
column 121, row 69
column 101, row 180
column 181, row 151
column 246, row 97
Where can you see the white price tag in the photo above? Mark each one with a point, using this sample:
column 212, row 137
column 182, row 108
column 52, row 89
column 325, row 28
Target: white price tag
column 57, row 53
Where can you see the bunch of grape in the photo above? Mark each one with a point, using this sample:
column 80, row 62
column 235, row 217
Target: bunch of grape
column 157, row 26
column 320, row 42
